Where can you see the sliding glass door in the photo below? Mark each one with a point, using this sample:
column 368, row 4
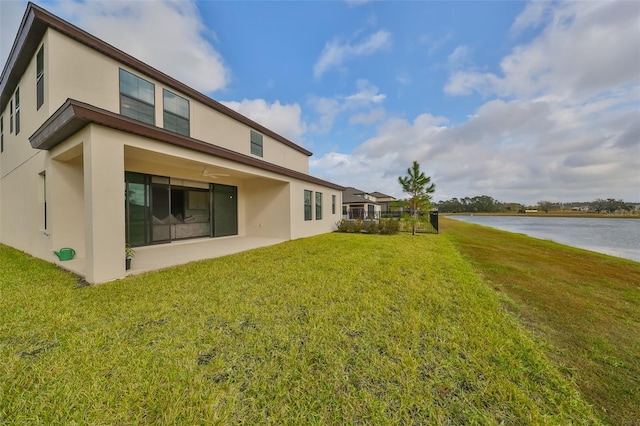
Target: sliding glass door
column 225, row 210
column 137, row 208
column 161, row 209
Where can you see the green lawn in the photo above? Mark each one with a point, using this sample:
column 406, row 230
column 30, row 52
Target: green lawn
column 334, row 329
column 585, row 305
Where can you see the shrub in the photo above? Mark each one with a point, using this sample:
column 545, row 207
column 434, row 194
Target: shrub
column 345, row 225
column 342, row 225
column 372, row 227
column 357, row 225
column 389, row 226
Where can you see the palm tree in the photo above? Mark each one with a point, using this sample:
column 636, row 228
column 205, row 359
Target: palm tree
column 416, row 184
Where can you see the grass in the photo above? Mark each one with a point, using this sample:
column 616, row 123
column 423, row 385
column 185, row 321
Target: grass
column 334, row 329
column 586, row 305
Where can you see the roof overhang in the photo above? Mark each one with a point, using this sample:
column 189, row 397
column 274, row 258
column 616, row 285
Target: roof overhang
column 35, row 23
column 74, row 115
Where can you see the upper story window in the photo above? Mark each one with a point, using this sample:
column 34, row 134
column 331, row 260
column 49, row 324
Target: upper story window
column 176, row 113
column 40, row 78
column 307, row 205
column 318, row 205
column 1, row 133
column 17, row 101
column 256, row 143
column 137, row 97
column 11, row 116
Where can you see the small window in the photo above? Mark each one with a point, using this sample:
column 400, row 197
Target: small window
column 307, row 204
column 40, row 78
column 17, row 110
column 344, row 210
column 11, row 116
column 137, row 98
column 333, row 204
column 1, row 133
column 256, row 143
column 176, row 113
column 318, row 205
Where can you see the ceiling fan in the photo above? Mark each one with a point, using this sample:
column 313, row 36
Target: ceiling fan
column 210, row 174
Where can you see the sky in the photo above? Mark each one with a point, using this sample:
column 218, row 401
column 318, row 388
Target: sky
column 521, row 101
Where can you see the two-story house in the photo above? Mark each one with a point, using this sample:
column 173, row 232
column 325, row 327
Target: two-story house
column 98, row 149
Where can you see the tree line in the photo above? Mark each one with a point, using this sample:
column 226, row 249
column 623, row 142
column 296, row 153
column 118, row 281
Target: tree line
column 487, row 204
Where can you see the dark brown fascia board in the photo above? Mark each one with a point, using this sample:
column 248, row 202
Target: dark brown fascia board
column 74, row 115
column 24, row 46
column 34, row 24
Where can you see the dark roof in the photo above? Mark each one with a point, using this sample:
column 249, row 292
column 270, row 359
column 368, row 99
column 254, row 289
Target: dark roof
column 73, row 115
column 381, row 195
column 35, row 23
column 351, row 195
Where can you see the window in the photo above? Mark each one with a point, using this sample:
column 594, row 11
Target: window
column 307, row 205
column 40, row 78
column 333, row 204
column 256, row 143
column 176, row 113
column 1, row 133
column 318, row 205
column 17, row 110
column 344, row 210
column 11, row 116
column 137, row 98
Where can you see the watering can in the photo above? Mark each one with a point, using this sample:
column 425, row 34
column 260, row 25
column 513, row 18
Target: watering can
column 65, row 253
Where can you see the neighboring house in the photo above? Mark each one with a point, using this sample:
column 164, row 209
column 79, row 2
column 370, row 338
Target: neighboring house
column 357, row 204
column 384, row 200
column 98, row 149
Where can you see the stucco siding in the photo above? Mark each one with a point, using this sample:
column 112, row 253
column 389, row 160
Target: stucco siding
column 81, row 73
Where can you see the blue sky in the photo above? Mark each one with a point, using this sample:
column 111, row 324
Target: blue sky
column 522, row 101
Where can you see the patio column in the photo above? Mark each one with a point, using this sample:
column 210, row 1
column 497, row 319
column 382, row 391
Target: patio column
column 104, row 206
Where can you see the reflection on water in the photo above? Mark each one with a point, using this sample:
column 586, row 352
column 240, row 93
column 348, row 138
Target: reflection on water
column 615, row 237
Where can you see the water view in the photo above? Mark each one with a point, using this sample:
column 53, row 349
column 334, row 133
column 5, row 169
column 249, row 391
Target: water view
column 615, row 237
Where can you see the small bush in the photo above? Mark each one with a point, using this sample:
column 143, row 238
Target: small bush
column 372, row 227
column 357, row 225
column 389, row 226
column 342, row 225
column 351, row 226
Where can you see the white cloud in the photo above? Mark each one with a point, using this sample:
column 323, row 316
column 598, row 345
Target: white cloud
column 357, row 171
column 586, row 48
column 368, row 118
column 459, row 57
column 328, row 109
column 366, row 94
column 335, row 52
column 166, row 34
column 522, row 151
column 285, row 120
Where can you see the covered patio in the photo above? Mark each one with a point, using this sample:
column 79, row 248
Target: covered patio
column 155, row 257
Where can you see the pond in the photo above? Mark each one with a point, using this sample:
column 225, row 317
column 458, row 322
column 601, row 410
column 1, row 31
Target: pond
column 612, row 236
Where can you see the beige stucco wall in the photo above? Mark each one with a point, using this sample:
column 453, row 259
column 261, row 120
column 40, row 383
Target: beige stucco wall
column 65, row 178
column 85, row 174
column 79, row 72
column 21, row 184
column 268, row 208
column 305, row 228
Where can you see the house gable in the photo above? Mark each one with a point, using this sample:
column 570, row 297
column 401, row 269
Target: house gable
column 35, row 23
